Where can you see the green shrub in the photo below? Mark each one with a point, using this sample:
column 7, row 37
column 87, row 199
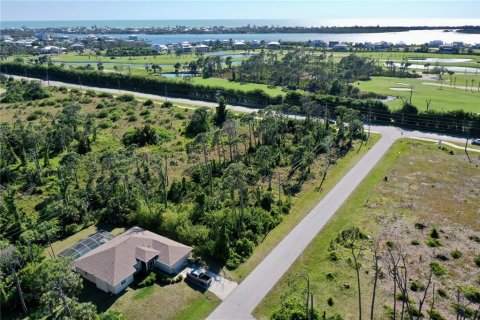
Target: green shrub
column 180, row 116
column 167, row 104
column 147, row 135
column 416, row 286
column 145, row 113
column 433, row 243
column 102, row 114
column 115, row 116
column 434, row 234
column 401, row 297
column 456, row 254
column 100, row 105
column 471, row 293
column 438, row 269
column 148, row 102
column 420, row 226
column 90, row 93
column 132, row 118
column 105, row 124
column 331, row 276
column 442, row 293
column 149, row 280
column 415, row 243
column 435, row 315
column 105, row 95
column 442, row 257
column 332, row 256
column 477, row 260
column 126, row 98
column 330, row 301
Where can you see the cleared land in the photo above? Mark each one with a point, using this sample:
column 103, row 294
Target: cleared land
column 425, row 185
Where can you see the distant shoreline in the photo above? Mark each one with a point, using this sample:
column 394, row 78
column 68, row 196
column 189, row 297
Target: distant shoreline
column 247, row 29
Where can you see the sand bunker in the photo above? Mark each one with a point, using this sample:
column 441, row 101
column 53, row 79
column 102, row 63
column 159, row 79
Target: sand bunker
column 401, row 89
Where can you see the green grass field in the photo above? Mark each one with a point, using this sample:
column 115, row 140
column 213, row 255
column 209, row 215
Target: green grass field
column 442, row 99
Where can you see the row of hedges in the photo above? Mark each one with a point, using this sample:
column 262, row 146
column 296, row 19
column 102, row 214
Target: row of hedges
column 459, row 121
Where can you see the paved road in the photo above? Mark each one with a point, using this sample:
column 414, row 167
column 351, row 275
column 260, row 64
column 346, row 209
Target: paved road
column 243, row 300
column 384, row 130
column 240, row 303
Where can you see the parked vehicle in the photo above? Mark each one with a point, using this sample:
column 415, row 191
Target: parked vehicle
column 199, row 276
column 476, row 142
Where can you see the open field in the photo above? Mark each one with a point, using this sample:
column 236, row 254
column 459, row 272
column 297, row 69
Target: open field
column 425, row 185
column 442, row 98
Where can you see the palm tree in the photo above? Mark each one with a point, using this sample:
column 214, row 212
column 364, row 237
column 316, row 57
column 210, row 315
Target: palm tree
column 228, row 62
column 427, row 65
column 177, row 67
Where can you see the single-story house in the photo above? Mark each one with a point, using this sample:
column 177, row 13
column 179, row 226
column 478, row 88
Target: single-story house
column 201, row 48
column 273, row 45
column 340, row 47
column 51, row 49
column 239, row 44
column 159, row 47
column 112, row 265
column 78, row 47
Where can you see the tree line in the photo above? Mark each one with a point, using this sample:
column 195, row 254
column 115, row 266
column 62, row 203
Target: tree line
column 458, row 121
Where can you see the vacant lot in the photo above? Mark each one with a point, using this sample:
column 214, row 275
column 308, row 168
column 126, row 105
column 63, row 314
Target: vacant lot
column 416, row 183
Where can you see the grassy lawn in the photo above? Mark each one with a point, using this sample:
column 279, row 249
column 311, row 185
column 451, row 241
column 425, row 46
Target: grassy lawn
column 176, row 301
column 398, row 56
column 415, row 191
column 443, row 99
column 303, row 203
column 273, row 91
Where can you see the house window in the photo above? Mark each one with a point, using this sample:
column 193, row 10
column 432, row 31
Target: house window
column 123, row 282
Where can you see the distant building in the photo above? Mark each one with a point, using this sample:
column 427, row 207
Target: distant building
column 435, row 43
column 201, row 48
column 240, row 44
column 50, row 49
column 133, row 37
column 447, row 49
column 458, row 44
column 78, row 47
column 332, row 44
column 255, row 44
column 186, row 47
column 273, row 45
column 318, row 43
column 159, row 47
column 340, row 47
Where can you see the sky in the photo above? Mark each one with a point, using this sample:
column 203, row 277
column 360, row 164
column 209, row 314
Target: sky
column 21, row 10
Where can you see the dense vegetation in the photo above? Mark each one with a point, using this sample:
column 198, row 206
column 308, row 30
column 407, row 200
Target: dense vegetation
column 223, row 202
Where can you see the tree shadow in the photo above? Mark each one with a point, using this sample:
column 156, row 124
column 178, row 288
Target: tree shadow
column 102, row 300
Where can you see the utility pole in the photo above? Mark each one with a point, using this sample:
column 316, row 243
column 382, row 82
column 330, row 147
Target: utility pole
column 48, row 80
column 166, row 169
column 119, row 86
column 166, row 94
column 80, row 83
column 369, row 121
column 279, row 190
